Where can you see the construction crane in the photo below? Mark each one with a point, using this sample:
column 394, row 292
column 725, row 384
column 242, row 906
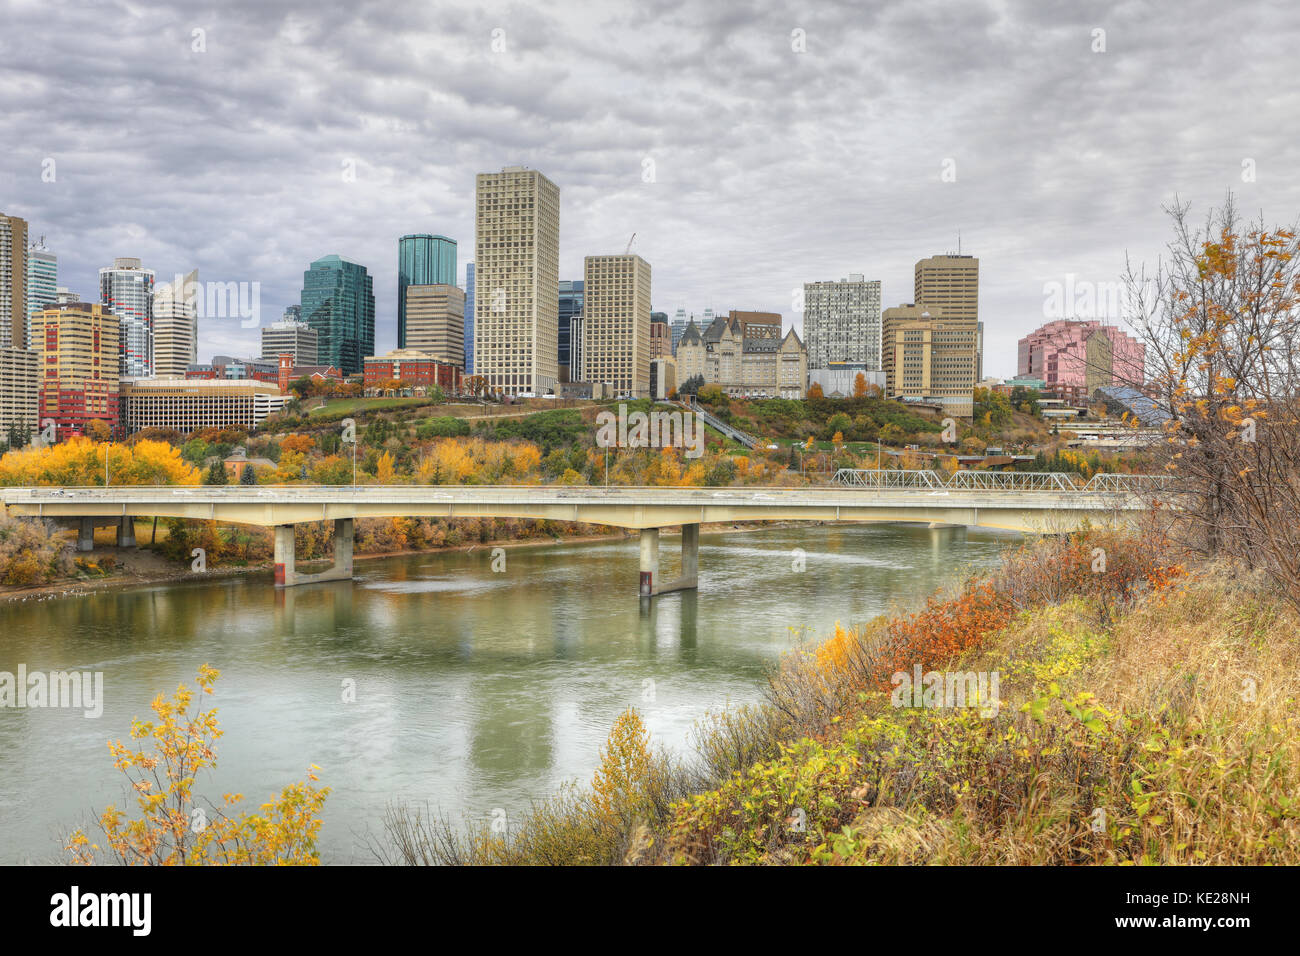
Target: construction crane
column 628, row 250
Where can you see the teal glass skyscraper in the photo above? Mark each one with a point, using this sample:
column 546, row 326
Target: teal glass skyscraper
column 422, row 260
column 338, row 301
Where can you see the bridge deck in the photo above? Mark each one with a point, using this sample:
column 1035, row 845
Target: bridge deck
column 620, row 506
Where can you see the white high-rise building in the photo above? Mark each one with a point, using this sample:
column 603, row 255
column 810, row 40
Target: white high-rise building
column 42, row 281
column 517, row 281
column 841, row 322
column 126, row 290
column 176, row 326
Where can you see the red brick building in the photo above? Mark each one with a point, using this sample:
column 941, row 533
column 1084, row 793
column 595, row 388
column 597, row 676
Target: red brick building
column 417, row 370
column 288, row 372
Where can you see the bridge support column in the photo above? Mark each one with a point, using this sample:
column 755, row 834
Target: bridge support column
column 690, row 556
column 287, row 575
column 86, row 534
column 126, row 532
column 649, row 560
column 651, row 583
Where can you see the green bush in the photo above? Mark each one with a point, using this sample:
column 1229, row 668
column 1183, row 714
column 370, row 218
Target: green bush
column 442, row 427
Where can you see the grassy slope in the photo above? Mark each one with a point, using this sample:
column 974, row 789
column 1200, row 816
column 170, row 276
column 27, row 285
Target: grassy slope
column 1178, row 758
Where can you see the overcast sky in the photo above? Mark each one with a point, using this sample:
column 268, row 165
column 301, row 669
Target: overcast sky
column 751, row 147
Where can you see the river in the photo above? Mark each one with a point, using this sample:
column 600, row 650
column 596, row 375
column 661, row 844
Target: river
column 475, row 689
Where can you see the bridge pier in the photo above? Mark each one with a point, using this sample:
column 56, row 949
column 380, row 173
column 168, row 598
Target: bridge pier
column 286, row 573
column 86, row 534
column 687, row 579
column 126, row 532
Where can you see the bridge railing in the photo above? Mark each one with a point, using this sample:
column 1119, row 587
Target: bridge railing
column 888, row 478
column 1001, row 481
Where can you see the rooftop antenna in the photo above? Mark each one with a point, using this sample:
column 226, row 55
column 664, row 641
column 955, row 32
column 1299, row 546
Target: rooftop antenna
column 958, row 242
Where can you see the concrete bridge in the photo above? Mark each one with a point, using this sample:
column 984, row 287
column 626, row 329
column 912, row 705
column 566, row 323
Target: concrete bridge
column 1046, row 504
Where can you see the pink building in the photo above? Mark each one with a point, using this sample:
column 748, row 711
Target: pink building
column 1075, row 356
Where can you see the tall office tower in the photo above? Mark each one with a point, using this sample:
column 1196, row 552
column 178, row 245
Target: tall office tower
column 469, row 318
column 680, row 321
column 292, row 313
column 517, row 281
column 338, row 301
column 13, row 282
column 929, row 357
column 126, row 290
column 19, row 391
column 841, row 322
column 661, row 339
column 422, row 260
column 616, row 323
column 951, row 284
column 78, row 366
column 175, row 326
column 293, row 338
column 42, row 282
column 62, row 297
column 570, row 305
column 435, row 322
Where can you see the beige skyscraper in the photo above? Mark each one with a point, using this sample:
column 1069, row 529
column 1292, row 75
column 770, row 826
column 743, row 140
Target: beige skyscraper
column 175, row 326
column 435, row 322
column 950, row 285
column 18, row 395
column 517, row 281
column 616, row 323
column 13, row 282
column 929, row 357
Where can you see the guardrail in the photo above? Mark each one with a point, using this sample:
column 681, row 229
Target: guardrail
column 884, row 479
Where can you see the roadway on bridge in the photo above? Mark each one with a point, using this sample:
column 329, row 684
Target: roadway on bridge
column 1041, row 510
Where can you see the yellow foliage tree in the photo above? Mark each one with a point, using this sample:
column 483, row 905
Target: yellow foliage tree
column 172, row 828
column 386, row 469
column 79, row 462
column 620, row 786
column 451, row 462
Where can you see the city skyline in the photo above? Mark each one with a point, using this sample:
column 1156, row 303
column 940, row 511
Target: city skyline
column 860, row 190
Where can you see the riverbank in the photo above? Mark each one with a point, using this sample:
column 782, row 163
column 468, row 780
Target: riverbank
column 1098, row 718
column 143, row 566
column 476, row 688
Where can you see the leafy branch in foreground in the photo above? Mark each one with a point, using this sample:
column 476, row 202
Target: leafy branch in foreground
column 173, row 829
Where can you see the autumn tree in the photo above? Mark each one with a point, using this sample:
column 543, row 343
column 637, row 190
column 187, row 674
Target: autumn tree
column 620, row 785
column 177, row 827
column 1221, row 328
column 860, row 386
column 80, row 462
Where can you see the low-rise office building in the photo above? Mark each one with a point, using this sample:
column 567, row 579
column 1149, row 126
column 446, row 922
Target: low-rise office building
column 187, row 404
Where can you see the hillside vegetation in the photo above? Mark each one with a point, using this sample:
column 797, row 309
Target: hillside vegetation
column 1144, row 715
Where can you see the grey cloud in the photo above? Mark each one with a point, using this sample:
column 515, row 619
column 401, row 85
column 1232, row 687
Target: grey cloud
column 772, row 167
